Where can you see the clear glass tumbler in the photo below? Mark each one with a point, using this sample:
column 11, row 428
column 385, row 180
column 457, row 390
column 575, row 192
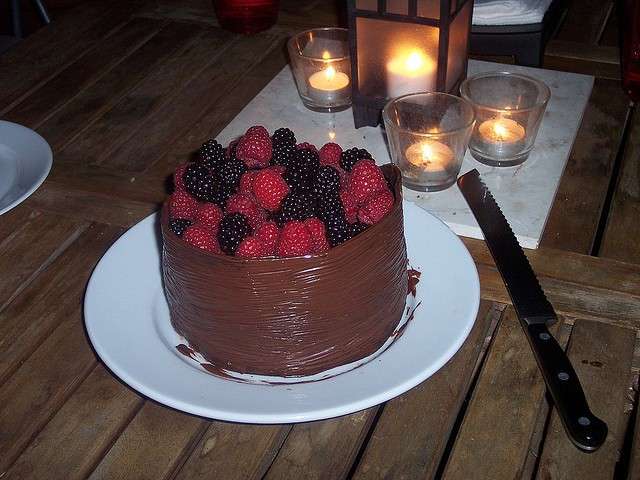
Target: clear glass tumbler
column 428, row 135
column 509, row 109
column 322, row 68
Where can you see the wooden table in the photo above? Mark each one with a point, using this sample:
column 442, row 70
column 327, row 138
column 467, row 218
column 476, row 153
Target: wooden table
column 124, row 91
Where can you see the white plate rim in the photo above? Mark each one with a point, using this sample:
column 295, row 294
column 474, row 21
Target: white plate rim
column 211, row 411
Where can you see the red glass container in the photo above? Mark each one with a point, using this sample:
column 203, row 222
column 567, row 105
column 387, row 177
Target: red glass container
column 631, row 49
column 246, row 16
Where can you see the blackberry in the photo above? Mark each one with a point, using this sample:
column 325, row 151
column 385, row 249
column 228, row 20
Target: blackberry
column 198, row 181
column 282, row 153
column 356, row 228
column 219, row 193
column 348, row 158
column 211, row 154
column 307, row 159
column 327, row 182
column 230, row 173
column 329, row 206
column 295, row 206
column 283, row 135
column 232, row 230
column 299, row 178
column 337, row 230
column 179, row 225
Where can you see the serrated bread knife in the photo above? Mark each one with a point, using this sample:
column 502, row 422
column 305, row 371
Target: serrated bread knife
column 535, row 312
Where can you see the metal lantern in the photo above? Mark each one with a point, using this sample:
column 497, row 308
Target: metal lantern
column 405, row 46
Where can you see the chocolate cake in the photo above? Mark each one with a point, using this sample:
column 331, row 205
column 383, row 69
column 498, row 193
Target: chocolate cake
column 290, row 316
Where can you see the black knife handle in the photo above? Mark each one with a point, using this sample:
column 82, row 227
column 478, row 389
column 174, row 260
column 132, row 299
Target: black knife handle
column 584, row 429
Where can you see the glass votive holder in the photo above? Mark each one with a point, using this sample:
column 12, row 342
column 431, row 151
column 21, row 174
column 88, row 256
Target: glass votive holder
column 322, row 68
column 509, row 109
column 428, row 135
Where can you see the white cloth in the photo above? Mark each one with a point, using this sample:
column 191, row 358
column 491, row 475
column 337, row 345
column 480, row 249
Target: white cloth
column 509, row 12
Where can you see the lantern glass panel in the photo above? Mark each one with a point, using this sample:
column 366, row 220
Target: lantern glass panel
column 429, row 9
column 400, row 7
column 395, row 58
column 458, row 44
column 367, row 5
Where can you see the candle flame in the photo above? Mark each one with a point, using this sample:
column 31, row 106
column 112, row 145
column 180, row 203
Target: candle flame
column 414, row 61
column 499, row 130
column 326, row 55
column 330, row 72
column 332, row 135
column 427, row 152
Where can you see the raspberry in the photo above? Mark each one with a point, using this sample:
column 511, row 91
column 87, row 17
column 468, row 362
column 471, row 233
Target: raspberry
column 254, row 148
column 201, row 237
column 251, row 247
column 366, row 180
column 350, row 205
column 182, row 205
column 179, row 225
column 327, row 182
column 209, row 215
column 234, row 228
column 376, row 208
column 295, row 240
column 269, row 189
column 350, row 157
column 330, row 154
column 246, row 182
column 318, row 236
column 211, row 154
column 268, row 233
column 306, row 146
column 178, row 180
column 246, row 205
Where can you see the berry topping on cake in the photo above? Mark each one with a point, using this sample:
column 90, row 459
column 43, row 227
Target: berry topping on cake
column 251, row 247
column 330, row 154
column 254, row 148
column 319, row 240
column 350, row 205
column 246, row 205
column 307, row 146
column 376, row 208
column 270, row 189
column 201, row 237
column 234, row 228
column 231, row 172
column 327, row 182
column 182, row 205
column 269, row 234
column 246, row 182
column 199, row 182
column 211, row 154
column 209, row 215
column 350, row 157
column 179, row 225
column 366, row 180
column 337, row 230
column 296, row 206
column 295, row 240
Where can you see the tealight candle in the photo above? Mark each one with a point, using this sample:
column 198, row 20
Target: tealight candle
column 430, row 156
column 500, row 137
column 328, row 85
column 410, row 72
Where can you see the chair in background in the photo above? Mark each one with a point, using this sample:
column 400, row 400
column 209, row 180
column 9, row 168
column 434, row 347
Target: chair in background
column 16, row 16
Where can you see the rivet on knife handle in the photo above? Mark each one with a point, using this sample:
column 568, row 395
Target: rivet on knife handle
column 535, row 312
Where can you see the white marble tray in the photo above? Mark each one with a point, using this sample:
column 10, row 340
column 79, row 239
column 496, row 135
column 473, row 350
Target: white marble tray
column 525, row 192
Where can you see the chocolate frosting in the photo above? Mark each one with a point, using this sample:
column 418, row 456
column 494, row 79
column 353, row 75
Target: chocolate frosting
column 290, row 316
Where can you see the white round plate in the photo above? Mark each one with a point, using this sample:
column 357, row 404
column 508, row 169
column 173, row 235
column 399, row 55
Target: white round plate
column 25, row 161
column 126, row 313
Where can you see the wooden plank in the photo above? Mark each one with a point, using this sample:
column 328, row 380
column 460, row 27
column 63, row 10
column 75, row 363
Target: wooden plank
column 35, row 60
column 204, row 92
column 619, row 240
column 491, row 443
column 234, row 451
column 14, row 220
column 585, row 21
column 54, row 295
column 86, row 425
column 576, row 50
column 413, row 429
column 159, row 88
column 601, row 355
column 82, row 73
column 41, row 385
column 88, row 105
column 36, row 243
column 322, row 450
column 152, row 445
column 574, row 217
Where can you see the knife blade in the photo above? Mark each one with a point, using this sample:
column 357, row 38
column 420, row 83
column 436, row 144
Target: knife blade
column 534, row 311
